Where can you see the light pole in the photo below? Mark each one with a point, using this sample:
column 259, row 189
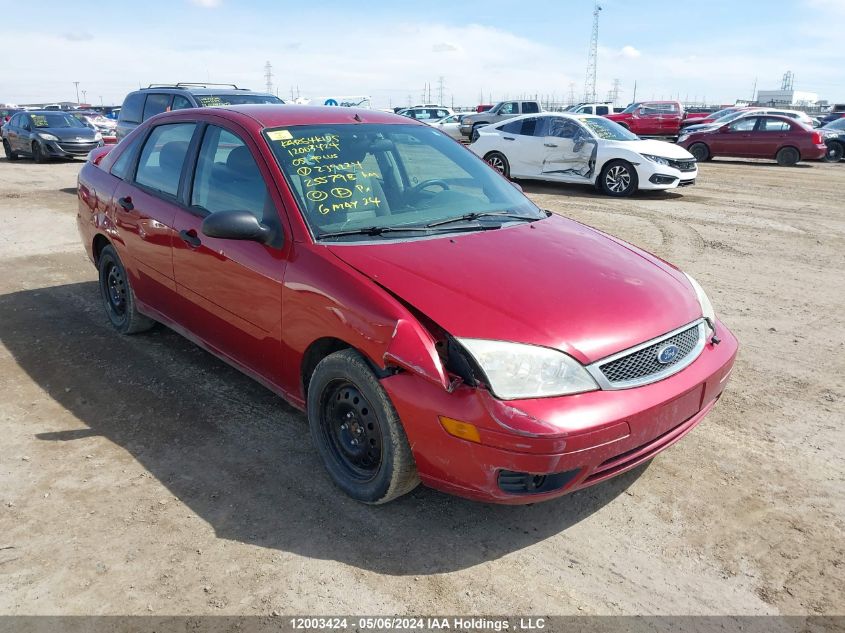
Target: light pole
column 76, row 83
column 84, row 96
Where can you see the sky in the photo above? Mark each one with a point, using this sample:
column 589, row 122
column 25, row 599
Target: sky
column 713, row 50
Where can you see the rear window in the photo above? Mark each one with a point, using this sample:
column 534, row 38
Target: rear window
column 133, row 107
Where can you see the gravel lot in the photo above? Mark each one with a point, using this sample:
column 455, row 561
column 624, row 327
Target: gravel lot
column 141, row 475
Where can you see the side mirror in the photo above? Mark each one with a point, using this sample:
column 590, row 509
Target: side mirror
column 724, row 129
column 236, row 225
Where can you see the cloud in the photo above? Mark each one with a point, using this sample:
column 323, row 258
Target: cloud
column 206, row 4
column 629, row 52
column 444, row 47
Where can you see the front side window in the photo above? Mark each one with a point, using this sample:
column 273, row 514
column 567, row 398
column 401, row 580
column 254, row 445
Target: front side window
column 371, row 177
column 227, row 178
column 562, row 128
column 744, row 125
column 509, row 108
column 156, row 104
column 163, row 156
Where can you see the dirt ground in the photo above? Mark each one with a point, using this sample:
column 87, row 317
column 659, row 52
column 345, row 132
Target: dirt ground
column 141, row 475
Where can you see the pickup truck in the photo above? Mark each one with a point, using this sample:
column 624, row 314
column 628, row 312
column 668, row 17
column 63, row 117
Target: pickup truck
column 499, row 112
column 654, row 118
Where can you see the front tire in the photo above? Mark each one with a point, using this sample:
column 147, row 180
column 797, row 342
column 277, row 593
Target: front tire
column 700, row 152
column 835, row 152
column 357, row 432
column 118, row 296
column 8, row 149
column 787, row 156
column 499, row 162
column 618, row 179
column 37, row 153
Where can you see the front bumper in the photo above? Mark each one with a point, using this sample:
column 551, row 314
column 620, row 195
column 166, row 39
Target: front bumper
column 661, row 177
column 582, row 439
column 63, row 149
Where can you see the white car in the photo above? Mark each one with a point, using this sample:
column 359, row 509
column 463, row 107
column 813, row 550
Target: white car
column 426, row 114
column 583, row 149
column 450, row 125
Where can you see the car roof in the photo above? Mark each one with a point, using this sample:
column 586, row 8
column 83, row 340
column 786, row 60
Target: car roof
column 49, row 111
column 203, row 91
column 279, row 115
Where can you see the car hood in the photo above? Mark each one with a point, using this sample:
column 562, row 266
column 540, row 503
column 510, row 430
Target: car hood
column 69, row 133
column 554, row 282
column 655, row 148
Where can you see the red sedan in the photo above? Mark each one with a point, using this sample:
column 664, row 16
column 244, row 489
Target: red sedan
column 757, row 136
column 434, row 324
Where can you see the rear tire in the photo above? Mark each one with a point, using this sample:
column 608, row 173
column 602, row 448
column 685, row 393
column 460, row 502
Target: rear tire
column 700, row 151
column 357, row 432
column 37, row 154
column 618, row 178
column 835, row 152
column 8, row 149
column 499, row 162
column 118, row 296
column 787, row 156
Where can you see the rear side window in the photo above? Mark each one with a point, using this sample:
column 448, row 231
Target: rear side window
column 775, row 125
column 123, row 164
column 600, row 110
column 133, row 107
column 228, row 179
column 530, row 108
column 163, row 156
column 532, row 126
column 156, row 104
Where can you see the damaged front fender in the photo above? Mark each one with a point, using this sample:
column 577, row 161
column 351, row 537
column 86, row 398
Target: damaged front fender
column 412, row 348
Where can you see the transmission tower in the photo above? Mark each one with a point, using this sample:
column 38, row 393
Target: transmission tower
column 788, row 81
column 613, row 95
column 440, row 88
column 592, row 56
column 571, row 93
column 268, row 77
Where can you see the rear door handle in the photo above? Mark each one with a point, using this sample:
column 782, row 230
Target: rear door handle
column 509, row 138
column 190, row 238
column 126, row 203
column 549, row 145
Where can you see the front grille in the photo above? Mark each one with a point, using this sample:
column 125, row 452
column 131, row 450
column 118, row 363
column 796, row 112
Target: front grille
column 683, row 165
column 643, row 363
column 77, row 148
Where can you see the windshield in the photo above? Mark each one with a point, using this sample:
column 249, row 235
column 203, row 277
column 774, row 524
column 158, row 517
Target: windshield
column 720, row 113
column 235, row 99
column 55, row 121
column 631, row 108
column 347, row 177
column 836, row 124
column 732, row 116
column 608, row 130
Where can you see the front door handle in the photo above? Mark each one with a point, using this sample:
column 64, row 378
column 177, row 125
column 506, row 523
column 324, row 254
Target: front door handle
column 549, row 145
column 126, row 203
column 190, row 238
column 509, row 138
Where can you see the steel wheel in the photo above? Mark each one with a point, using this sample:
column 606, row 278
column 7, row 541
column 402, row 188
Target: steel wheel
column 617, row 178
column 352, row 430
column 115, row 289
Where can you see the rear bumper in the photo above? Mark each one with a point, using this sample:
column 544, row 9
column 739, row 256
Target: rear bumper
column 583, row 439
column 817, row 153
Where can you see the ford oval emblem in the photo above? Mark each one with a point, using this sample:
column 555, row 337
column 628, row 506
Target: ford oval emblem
column 667, row 353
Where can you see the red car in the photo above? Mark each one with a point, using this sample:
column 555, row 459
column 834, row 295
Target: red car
column 434, row 324
column 757, row 136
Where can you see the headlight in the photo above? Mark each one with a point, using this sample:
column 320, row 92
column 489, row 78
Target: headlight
column 517, row 371
column 466, row 122
column 706, row 307
column 656, row 159
column 98, row 137
column 48, row 137
column 682, row 138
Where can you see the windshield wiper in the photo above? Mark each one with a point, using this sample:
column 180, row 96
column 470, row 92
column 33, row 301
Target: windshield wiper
column 379, row 230
column 467, row 217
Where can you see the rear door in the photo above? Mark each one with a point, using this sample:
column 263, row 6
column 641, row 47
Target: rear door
column 12, row 131
column 770, row 135
column 145, row 209
column 569, row 151
column 670, row 119
column 523, row 147
column 231, row 290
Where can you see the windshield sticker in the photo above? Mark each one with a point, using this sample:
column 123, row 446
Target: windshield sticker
column 210, row 100
column 39, row 120
column 279, row 135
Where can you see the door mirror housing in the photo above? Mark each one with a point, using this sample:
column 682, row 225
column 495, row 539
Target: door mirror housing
column 724, row 129
column 236, row 225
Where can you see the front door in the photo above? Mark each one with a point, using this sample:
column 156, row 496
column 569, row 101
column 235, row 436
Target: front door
column 569, row 152
column 231, row 290
column 771, row 134
column 736, row 140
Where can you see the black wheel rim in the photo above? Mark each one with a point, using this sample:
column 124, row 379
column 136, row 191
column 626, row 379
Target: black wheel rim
column 834, row 153
column 699, row 153
column 114, row 289
column 351, row 430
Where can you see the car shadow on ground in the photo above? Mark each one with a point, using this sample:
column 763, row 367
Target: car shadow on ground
column 760, row 163
column 585, row 191
column 71, row 190
column 239, row 457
